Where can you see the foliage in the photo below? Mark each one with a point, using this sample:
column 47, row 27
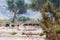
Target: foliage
column 13, row 33
column 41, row 34
column 56, row 3
column 23, row 33
column 48, row 7
column 37, row 4
column 56, row 27
column 23, row 18
column 48, row 21
column 40, row 3
column 16, row 6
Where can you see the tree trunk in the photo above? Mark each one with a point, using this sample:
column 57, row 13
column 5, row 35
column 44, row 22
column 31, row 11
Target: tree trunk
column 13, row 21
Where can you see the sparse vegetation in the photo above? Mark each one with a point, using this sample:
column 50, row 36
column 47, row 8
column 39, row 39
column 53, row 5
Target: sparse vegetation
column 13, row 33
column 41, row 34
column 23, row 33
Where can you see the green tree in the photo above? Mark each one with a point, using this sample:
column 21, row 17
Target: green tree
column 23, row 19
column 56, row 3
column 41, row 2
column 37, row 4
column 17, row 7
column 47, row 21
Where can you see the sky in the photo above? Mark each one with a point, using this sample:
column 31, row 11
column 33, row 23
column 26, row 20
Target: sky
column 28, row 1
column 6, row 14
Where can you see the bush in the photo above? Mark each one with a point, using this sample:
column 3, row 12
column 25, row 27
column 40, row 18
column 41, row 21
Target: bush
column 41, row 34
column 13, row 33
column 23, row 33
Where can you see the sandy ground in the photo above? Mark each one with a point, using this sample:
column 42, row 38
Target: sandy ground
column 20, row 38
column 5, row 35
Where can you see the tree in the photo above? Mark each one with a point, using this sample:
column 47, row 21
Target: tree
column 23, row 19
column 37, row 4
column 41, row 2
column 56, row 3
column 17, row 7
column 48, row 21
